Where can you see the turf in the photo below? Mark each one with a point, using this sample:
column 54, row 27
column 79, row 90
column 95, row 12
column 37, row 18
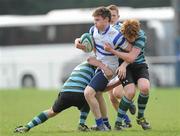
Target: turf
column 17, row 107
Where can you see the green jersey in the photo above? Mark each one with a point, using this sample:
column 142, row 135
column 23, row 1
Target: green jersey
column 140, row 43
column 79, row 78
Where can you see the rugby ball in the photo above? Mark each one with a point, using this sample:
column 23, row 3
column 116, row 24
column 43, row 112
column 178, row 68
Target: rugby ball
column 87, row 41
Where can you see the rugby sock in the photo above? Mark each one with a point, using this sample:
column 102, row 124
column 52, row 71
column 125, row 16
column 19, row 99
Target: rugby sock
column 99, row 122
column 83, row 117
column 126, row 119
column 106, row 122
column 142, row 101
column 42, row 117
column 123, row 107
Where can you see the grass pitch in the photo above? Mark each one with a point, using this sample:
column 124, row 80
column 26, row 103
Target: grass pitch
column 17, row 107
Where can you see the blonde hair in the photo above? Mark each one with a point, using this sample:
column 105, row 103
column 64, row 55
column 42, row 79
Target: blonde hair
column 113, row 7
column 130, row 28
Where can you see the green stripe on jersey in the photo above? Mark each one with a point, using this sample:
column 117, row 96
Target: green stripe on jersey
column 86, row 64
column 140, row 58
column 77, row 81
column 140, row 43
column 80, row 75
column 73, row 87
column 84, row 71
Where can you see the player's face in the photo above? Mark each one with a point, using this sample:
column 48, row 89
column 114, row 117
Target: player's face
column 101, row 23
column 114, row 16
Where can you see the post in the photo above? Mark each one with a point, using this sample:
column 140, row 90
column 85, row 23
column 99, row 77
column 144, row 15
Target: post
column 176, row 5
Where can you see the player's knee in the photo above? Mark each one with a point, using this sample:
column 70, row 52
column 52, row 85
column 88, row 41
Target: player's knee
column 144, row 89
column 51, row 112
column 144, row 85
column 89, row 93
column 117, row 95
column 130, row 91
column 130, row 94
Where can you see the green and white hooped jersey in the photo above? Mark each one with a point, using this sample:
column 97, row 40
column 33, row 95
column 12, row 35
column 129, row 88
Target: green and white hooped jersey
column 140, row 43
column 79, row 78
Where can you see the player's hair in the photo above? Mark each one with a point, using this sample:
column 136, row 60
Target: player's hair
column 130, row 28
column 113, row 7
column 103, row 12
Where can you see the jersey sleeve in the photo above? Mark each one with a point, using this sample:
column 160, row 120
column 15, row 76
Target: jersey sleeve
column 140, row 41
column 120, row 41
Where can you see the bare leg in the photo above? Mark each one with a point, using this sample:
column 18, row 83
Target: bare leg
column 114, row 100
column 102, row 104
column 92, row 101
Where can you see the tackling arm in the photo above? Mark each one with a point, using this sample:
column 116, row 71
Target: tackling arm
column 113, row 83
column 93, row 61
column 128, row 57
column 108, row 72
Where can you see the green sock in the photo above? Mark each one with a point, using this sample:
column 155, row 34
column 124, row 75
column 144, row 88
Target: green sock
column 83, row 117
column 142, row 101
column 123, row 107
column 42, row 117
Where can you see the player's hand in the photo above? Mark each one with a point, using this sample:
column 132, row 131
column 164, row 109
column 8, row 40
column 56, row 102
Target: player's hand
column 107, row 47
column 78, row 44
column 121, row 71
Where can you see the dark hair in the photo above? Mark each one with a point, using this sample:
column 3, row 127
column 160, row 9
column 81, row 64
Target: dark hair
column 103, row 12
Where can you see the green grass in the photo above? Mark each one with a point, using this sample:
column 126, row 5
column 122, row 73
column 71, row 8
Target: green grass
column 17, row 107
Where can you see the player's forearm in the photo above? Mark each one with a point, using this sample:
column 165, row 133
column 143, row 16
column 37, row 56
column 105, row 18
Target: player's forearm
column 97, row 63
column 125, row 56
column 93, row 61
column 113, row 85
column 101, row 65
column 108, row 72
column 125, row 63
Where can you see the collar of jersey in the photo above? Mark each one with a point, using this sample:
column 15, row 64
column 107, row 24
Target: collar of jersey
column 117, row 23
column 105, row 30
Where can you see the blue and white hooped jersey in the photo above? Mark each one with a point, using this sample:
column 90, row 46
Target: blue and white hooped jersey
column 114, row 38
column 117, row 25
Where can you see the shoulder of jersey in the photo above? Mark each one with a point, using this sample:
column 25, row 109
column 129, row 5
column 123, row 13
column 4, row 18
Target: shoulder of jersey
column 113, row 31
